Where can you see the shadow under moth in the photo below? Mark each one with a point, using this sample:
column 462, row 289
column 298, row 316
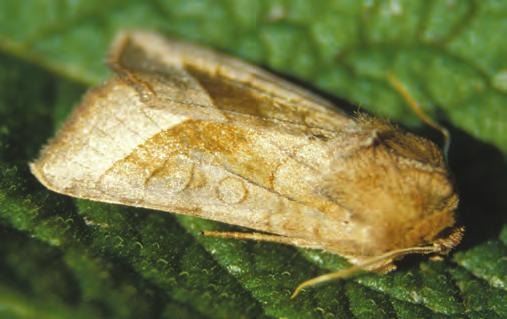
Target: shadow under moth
column 187, row 130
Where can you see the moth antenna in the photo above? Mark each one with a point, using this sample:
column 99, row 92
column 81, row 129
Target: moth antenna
column 345, row 273
column 409, row 99
column 247, row 236
column 262, row 237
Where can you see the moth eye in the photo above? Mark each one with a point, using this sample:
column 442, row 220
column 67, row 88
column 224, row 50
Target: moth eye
column 231, row 190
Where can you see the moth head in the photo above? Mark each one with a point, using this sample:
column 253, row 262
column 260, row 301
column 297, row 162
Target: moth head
column 395, row 186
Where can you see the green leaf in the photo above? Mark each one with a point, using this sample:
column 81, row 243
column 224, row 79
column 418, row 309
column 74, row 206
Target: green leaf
column 62, row 257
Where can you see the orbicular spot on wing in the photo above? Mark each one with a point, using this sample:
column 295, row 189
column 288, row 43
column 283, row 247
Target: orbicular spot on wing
column 174, row 176
column 231, row 190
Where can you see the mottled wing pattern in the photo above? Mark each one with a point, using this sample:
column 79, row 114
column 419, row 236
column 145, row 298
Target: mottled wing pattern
column 210, row 170
column 187, row 130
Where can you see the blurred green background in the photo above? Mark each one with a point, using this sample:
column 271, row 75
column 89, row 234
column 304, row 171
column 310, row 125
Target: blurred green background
column 67, row 258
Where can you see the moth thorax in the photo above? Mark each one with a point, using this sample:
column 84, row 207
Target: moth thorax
column 395, row 199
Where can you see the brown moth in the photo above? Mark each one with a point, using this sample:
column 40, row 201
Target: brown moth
column 187, row 130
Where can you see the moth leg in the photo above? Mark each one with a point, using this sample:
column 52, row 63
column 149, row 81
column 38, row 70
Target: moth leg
column 384, row 259
column 409, row 99
column 298, row 242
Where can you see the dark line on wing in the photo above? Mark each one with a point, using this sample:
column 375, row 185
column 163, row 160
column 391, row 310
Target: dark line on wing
column 273, row 120
column 293, row 157
column 151, row 119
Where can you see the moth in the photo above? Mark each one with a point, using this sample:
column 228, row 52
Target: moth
column 187, row 130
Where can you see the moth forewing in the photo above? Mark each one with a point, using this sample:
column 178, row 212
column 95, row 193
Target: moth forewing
column 187, row 130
